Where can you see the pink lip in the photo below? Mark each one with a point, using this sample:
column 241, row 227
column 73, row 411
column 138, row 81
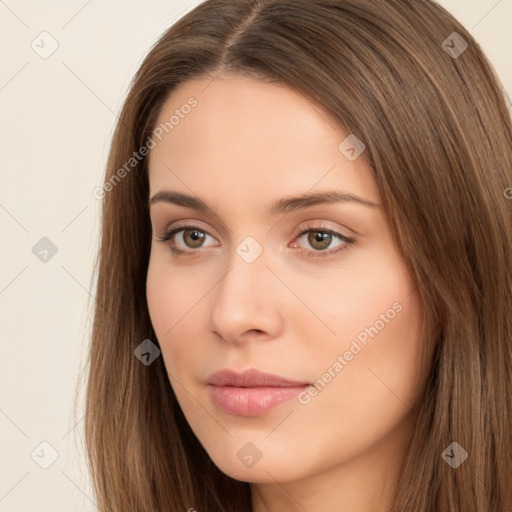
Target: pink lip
column 252, row 392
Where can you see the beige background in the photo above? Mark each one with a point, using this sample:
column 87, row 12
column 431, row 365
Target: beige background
column 57, row 116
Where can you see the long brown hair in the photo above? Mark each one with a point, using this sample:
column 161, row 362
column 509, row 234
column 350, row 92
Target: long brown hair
column 411, row 83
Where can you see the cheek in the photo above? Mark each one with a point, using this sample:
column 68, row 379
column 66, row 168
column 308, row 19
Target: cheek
column 372, row 371
column 170, row 294
column 373, row 287
column 174, row 301
column 376, row 381
column 160, row 298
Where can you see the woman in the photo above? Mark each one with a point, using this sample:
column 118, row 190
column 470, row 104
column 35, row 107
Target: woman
column 319, row 191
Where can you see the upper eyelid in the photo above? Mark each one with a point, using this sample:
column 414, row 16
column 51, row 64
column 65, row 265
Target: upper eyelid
column 178, row 226
column 309, row 226
column 183, row 225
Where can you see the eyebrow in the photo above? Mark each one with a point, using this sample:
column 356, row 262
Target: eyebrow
column 286, row 204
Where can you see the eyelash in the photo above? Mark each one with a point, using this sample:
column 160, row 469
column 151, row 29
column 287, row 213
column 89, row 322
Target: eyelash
column 309, row 253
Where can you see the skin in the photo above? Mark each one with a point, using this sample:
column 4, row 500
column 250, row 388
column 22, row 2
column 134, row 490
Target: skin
column 245, row 145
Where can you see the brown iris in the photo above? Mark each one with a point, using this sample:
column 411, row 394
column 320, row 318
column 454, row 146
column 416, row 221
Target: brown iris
column 193, row 238
column 319, row 239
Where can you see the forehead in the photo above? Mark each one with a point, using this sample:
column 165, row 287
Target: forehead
column 253, row 137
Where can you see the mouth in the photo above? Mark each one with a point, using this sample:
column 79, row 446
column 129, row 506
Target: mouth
column 252, row 392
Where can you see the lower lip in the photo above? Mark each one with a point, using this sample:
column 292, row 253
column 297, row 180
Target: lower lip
column 251, row 401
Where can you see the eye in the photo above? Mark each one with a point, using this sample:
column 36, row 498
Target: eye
column 320, row 239
column 183, row 238
column 186, row 238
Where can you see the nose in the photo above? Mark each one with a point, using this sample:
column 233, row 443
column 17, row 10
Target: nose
column 247, row 302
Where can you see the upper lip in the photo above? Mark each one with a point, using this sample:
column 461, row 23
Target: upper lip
column 250, row 378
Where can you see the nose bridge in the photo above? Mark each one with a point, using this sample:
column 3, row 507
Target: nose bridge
column 248, row 270
column 243, row 300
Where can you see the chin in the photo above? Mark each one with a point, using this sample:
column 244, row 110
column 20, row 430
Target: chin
column 265, row 470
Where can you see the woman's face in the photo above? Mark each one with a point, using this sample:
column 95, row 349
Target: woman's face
column 281, row 269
